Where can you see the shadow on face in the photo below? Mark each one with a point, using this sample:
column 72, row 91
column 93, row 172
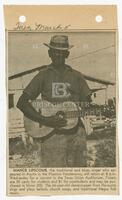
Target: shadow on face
column 58, row 56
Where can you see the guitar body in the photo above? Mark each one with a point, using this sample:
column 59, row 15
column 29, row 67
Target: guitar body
column 47, row 109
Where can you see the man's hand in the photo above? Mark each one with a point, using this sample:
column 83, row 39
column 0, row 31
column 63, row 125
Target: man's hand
column 54, row 121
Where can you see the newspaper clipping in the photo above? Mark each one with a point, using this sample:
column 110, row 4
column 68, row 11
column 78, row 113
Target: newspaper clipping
column 62, row 100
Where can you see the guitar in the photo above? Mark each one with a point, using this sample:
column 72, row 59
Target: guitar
column 68, row 110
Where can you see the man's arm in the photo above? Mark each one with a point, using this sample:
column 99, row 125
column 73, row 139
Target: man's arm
column 85, row 92
column 88, row 98
column 25, row 106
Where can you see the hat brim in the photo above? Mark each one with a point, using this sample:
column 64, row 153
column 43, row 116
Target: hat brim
column 58, row 48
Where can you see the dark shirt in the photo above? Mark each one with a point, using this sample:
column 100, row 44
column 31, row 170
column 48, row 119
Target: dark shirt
column 57, row 87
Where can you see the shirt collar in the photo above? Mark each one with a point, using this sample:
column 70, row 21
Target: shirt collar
column 68, row 68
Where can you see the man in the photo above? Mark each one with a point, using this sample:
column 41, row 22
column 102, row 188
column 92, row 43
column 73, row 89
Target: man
column 58, row 82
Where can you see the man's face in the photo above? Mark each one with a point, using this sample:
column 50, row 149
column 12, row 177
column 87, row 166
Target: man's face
column 58, row 56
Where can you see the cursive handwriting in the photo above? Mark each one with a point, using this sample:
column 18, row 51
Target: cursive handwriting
column 40, row 27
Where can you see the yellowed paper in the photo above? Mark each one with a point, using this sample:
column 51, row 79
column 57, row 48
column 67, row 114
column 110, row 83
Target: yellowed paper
column 80, row 157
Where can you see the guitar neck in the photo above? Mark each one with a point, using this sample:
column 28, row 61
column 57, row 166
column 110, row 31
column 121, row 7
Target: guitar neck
column 47, row 105
column 73, row 114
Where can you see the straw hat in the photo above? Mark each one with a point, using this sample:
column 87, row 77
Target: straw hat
column 59, row 42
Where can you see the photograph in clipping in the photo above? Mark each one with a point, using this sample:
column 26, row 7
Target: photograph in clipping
column 62, row 106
